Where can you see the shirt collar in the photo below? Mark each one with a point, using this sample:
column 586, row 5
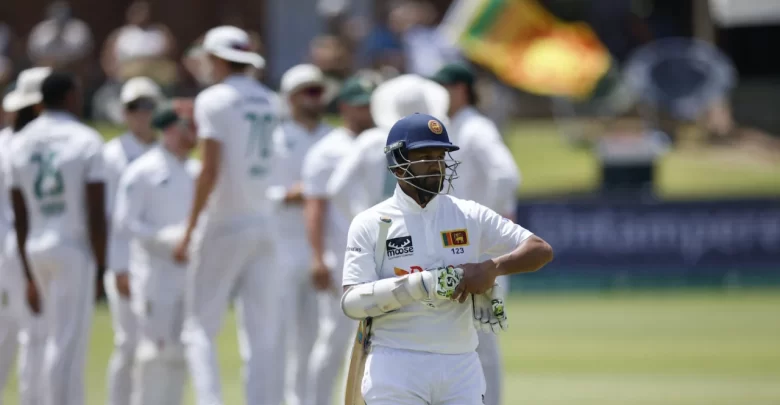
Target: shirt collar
column 59, row 115
column 408, row 204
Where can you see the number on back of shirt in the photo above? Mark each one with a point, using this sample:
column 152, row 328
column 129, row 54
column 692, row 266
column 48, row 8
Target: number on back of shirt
column 49, row 185
column 259, row 148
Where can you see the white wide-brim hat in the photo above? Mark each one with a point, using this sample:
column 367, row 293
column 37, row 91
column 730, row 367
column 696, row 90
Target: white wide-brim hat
column 405, row 95
column 28, row 89
column 139, row 87
column 232, row 44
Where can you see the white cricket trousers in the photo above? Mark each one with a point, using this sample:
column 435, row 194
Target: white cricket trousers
column 123, row 321
column 160, row 366
column 336, row 334
column 405, row 377
column 301, row 323
column 19, row 328
column 240, row 262
column 65, row 275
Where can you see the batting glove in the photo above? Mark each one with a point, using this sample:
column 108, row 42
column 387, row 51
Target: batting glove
column 440, row 283
column 489, row 311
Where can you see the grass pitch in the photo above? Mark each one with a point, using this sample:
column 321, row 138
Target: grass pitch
column 679, row 348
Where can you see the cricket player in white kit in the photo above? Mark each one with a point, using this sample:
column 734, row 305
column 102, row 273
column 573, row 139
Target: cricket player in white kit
column 327, row 229
column 21, row 323
column 229, row 236
column 302, row 87
column 362, row 179
column 489, row 176
column 139, row 97
column 423, row 343
column 152, row 203
column 57, row 189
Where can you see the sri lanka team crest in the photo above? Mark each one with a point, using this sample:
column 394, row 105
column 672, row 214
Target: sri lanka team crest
column 435, row 127
column 455, row 237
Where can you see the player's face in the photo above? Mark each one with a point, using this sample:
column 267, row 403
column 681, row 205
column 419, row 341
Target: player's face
column 187, row 135
column 429, row 164
column 309, row 100
column 138, row 115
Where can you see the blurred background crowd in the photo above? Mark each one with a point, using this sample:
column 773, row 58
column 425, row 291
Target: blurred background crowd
column 646, row 133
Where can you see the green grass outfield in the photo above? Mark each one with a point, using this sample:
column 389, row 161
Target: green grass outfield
column 549, row 167
column 660, row 348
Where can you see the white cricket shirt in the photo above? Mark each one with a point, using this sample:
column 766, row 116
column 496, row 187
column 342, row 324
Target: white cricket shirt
column 488, row 173
column 118, row 153
column 448, row 231
column 51, row 160
column 291, row 144
column 241, row 114
column 361, row 179
column 6, row 212
column 320, row 163
column 153, row 201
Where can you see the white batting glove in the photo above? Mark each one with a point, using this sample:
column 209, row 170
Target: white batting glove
column 440, row 283
column 489, row 311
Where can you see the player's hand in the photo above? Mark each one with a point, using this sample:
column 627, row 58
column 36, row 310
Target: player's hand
column 320, row 276
column 122, row 280
column 33, row 299
column 441, row 282
column 181, row 251
column 294, row 194
column 489, row 312
column 478, row 278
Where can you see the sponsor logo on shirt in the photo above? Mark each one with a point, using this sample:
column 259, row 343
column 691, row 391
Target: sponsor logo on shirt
column 354, row 249
column 455, row 237
column 402, row 272
column 399, row 247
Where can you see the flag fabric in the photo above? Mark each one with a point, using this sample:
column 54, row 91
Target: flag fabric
column 528, row 47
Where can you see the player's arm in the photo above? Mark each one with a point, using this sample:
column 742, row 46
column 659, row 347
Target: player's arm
column 21, row 226
column 367, row 296
column 344, row 190
column 210, row 121
column 513, row 250
column 95, row 191
column 315, row 173
column 496, row 160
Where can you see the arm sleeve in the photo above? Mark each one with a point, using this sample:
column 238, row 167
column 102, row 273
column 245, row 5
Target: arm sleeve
column 210, row 119
column 316, row 172
column 498, row 235
column 344, row 191
column 359, row 266
column 499, row 166
column 129, row 220
column 96, row 172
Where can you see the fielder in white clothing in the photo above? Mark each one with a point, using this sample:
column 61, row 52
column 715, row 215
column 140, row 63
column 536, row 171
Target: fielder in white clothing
column 362, row 179
column 228, row 238
column 424, row 336
column 327, row 229
column 152, row 203
column 302, row 88
column 20, row 325
column 57, row 192
column 489, row 176
column 139, row 96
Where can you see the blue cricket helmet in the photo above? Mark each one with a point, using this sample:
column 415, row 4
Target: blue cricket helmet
column 420, row 131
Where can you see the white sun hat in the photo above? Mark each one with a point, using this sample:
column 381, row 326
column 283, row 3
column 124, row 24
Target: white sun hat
column 28, row 89
column 232, row 44
column 139, row 87
column 300, row 76
column 405, row 95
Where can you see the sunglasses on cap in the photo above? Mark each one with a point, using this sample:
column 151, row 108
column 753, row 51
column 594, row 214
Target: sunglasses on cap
column 141, row 104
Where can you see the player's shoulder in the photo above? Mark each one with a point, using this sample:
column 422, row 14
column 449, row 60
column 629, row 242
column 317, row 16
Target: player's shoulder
column 334, row 142
column 220, row 95
column 145, row 165
column 371, row 138
column 469, row 208
column 193, row 167
column 113, row 150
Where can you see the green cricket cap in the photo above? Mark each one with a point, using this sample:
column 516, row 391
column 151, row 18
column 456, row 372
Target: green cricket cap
column 454, row 73
column 357, row 90
column 164, row 116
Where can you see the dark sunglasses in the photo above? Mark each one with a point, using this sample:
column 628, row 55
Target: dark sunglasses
column 141, row 104
column 313, row 91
